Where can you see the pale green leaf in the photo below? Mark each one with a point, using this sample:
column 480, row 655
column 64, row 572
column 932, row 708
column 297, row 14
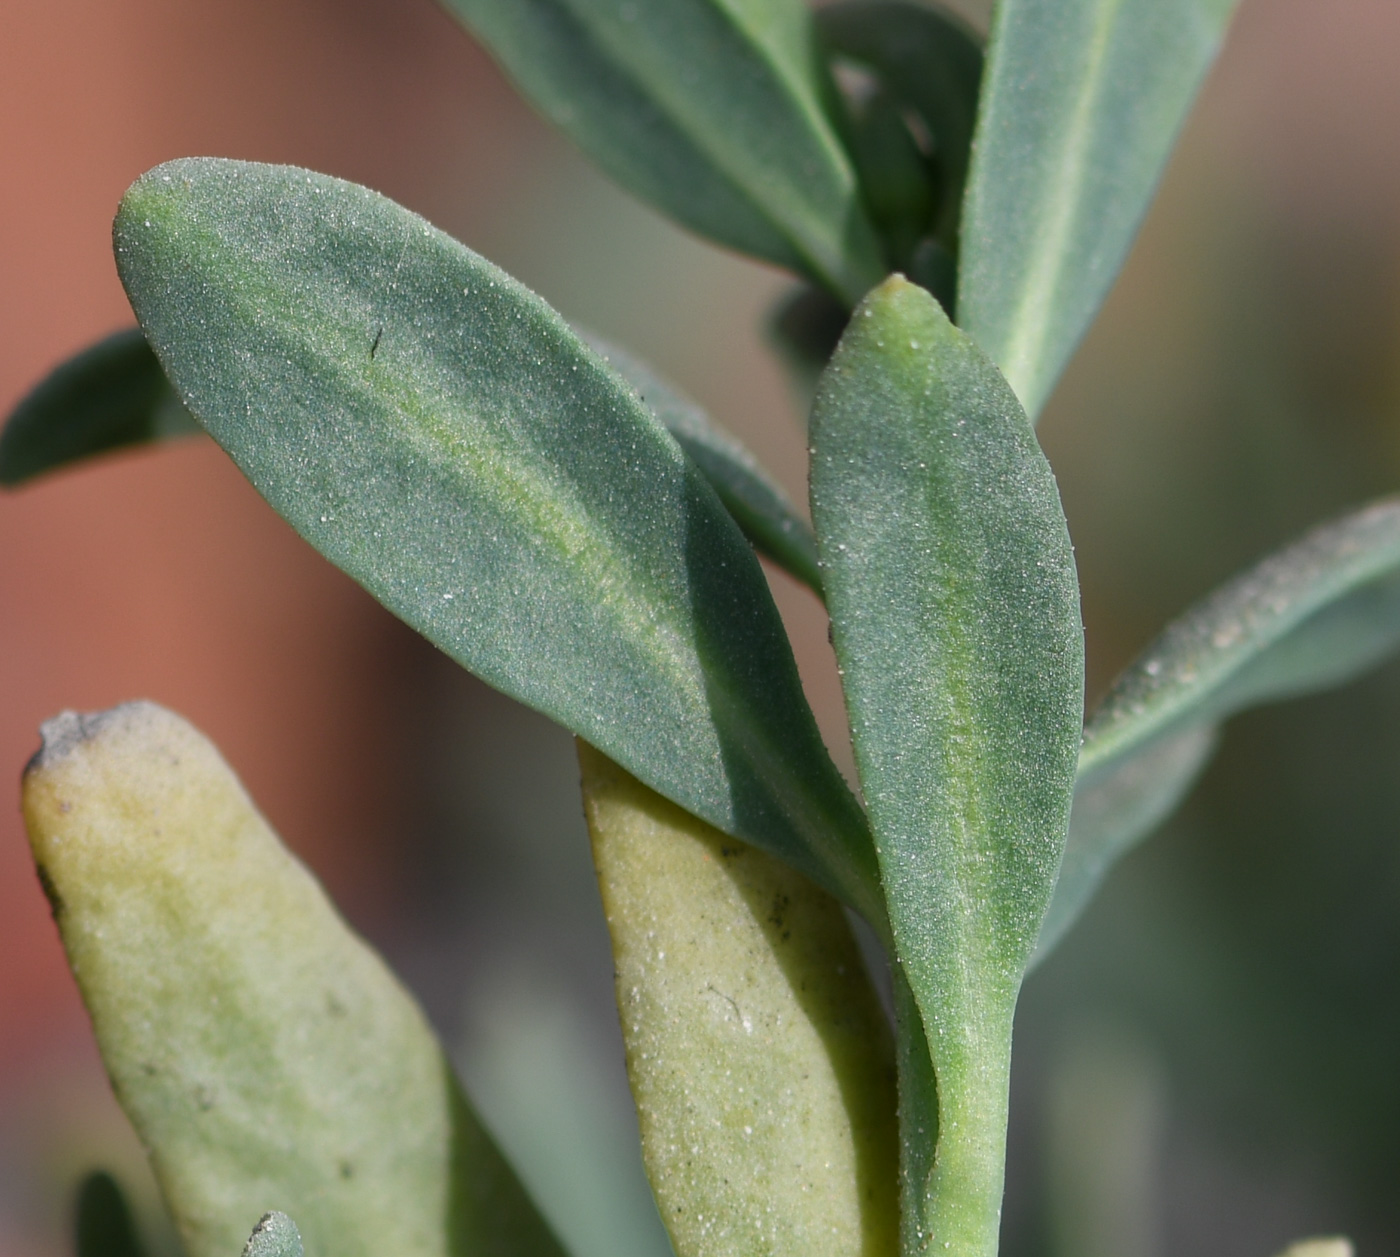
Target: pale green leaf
column 438, row 432
column 1081, row 104
column 757, row 1050
column 265, row 1055
column 715, row 111
column 110, row 396
column 756, row 501
column 1327, row 1246
column 276, row 1235
column 955, row 616
column 1311, row 616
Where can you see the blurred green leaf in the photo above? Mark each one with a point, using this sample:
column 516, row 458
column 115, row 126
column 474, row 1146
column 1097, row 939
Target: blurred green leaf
column 755, row 500
column 276, row 1235
column 757, row 1050
column 264, row 1054
column 110, row 396
column 438, row 432
column 105, row 1227
column 1330, row 1246
column 955, row 616
column 1081, row 104
column 716, row 111
column 927, row 62
column 1310, row 616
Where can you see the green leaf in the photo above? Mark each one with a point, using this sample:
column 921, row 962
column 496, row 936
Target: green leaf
column 755, row 500
column 110, row 396
column 1311, row 616
column 264, row 1054
column 437, row 431
column 715, row 111
column 1327, row 1246
column 955, row 616
column 105, row 1227
column 1081, row 104
column 276, row 1235
column 757, row 1050
column 928, row 62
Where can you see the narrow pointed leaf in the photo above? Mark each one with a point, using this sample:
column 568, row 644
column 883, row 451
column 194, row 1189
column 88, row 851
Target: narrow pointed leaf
column 757, row 1050
column 104, row 1225
column 276, row 1235
column 715, row 111
column 1313, row 615
column 1081, row 104
column 929, row 63
column 955, row 616
column 756, row 501
column 264, row 1054
column 437, row 431
column 112, row 395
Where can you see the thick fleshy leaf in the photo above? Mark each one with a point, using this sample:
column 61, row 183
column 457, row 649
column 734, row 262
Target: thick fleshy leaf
column 1081, row 104
column 276, row 1235
column 715, row 111
column 438, row 432
column 104, row 1225
column 929, row 63
column 110, row 396
column 264, row 1054
column 756, row 501
column 955, row 616
column 757, row 1050
column 1311, row 616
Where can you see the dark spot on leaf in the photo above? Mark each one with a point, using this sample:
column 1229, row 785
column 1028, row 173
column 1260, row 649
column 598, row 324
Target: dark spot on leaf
column 347, row 1170
column 374, row 348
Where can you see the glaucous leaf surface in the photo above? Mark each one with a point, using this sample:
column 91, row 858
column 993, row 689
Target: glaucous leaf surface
column 955, row 617
column 276, row 1235
column 757, row 1050
column 1310, row 616
column 1081, row 104
column 112, row 395
column 104, row 1226
column 437, row 431
column 264, row 1054
column 928, row 62
column 756, row 501
column 715, row 111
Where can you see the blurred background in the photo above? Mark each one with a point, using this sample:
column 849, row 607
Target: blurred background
column 1210, row 1064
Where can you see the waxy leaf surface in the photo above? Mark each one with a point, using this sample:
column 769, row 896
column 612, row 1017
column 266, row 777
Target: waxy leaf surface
column 264, row 1054
column 715, row 111
column 438, row 432
column 756, row 501
column 112, row 395
column 757, row 1050
column 1313, row 615
column 955, row 615
column 276, row 1235
column 1081, row 103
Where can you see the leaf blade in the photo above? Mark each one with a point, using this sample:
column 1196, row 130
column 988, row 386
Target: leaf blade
column 954, row 604
column 110, row 396
column 264, row 1054
column 1081, row 104
column 735, row 976
column 439, row 433
column 713, row 110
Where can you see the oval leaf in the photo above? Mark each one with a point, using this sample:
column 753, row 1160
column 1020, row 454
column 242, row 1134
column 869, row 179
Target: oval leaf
column 437, row 431
column 1081, row 104
column 955, row 615
column 712, row 110
column 755, row 500
column 757, row 1050
column 1313, row 615
column 264, row 1054
column 112, row 395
